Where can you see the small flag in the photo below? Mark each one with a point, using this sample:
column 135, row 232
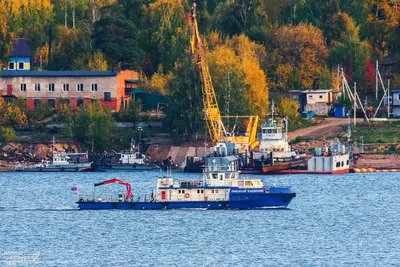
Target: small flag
column 75, row 188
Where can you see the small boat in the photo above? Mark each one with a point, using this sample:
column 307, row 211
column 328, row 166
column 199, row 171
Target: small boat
column 61, row 162
column 131, row 160
column 220, row 188
column 333, row 159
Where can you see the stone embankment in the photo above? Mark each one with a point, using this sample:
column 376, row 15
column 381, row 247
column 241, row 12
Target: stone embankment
column 13, row 154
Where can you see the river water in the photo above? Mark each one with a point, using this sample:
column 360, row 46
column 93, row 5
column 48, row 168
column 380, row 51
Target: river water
column 335, row 220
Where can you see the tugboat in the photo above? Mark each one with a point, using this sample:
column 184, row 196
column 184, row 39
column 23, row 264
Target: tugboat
column 220, row 188
column 275, row 152
column 132, row 160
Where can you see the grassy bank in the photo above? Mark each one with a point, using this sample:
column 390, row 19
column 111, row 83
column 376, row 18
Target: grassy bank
column 376, row 132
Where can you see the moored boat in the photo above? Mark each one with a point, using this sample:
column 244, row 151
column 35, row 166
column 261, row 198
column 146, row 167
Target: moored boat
column 61, row 162
column 220, row 188
column 131, row 160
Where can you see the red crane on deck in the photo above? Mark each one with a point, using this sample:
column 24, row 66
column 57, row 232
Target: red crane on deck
column 128, row 186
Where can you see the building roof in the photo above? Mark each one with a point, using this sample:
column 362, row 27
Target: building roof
column 310, row 91
column 16, row 73
column 390, row 59
column 21, row 48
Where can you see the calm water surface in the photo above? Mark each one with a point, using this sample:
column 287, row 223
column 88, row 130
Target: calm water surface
column 341, row 220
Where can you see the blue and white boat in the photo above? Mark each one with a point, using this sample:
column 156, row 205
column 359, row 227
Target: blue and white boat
column 220, row 188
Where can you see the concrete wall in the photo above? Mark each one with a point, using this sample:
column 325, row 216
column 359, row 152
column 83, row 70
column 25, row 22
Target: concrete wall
column 319, row 109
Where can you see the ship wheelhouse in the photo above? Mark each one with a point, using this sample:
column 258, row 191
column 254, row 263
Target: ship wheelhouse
column 216, row 186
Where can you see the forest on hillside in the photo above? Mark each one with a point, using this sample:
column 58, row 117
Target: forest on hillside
column 255, row 48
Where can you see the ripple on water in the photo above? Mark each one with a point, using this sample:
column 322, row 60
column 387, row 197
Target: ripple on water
column 334, row 220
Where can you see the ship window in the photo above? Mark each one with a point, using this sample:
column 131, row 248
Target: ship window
column 347, row 163
column 337, row 164
column 179, row 191
column 310, row 97
column 248, row 183
column 342, row 163
column 183, row 191
column 202, row 191
column 216, row 191
column 198, row 191
column 215, row 176
column 320, row 97
column 240, row 183
column 212, row 191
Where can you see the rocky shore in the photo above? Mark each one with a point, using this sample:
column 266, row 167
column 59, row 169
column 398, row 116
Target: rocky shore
column 14, row 154
column 380, row 156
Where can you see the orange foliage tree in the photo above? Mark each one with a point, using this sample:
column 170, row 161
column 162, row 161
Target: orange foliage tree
column 300, row 53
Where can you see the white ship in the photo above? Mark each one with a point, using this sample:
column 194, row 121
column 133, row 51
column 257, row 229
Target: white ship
column 332, row 159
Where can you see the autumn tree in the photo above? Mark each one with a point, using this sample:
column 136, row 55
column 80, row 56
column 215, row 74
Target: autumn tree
column 299, row 54
column 348, row 51
column 382, row 20
column 97, row 61
column 66, row 50
column 251, row 54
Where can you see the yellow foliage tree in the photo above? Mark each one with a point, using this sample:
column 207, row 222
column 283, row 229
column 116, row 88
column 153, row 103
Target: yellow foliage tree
column 160, row 80
column 288, row 107
column 303, row 47
column 250, row 55
column 97, row 61
column 15, row 117
column 41, row 56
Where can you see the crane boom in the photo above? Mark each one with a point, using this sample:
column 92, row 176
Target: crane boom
column 212, row 113
column 128, row 186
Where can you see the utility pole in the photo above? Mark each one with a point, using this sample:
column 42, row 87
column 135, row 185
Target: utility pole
column 388, row 97
column 376, row 80
column 140, row 129
column 355, row 104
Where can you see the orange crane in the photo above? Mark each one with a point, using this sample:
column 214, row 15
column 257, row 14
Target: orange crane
column 212, row 114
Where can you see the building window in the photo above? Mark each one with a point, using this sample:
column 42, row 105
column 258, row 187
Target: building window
column 37, row 87
column 21, row 65
column 11, row 65
column 66, row 87
column 79, row 102
column 36, row 102
column 52, row 103
column 94, row 87
column 66, row 100
column 79, row 87
column 23, row 87
column 107, row 96
column 51, row 87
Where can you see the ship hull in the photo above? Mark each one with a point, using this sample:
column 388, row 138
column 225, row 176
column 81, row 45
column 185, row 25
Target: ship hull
column 256, row 201
column 124, row 167
column 59, row 169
